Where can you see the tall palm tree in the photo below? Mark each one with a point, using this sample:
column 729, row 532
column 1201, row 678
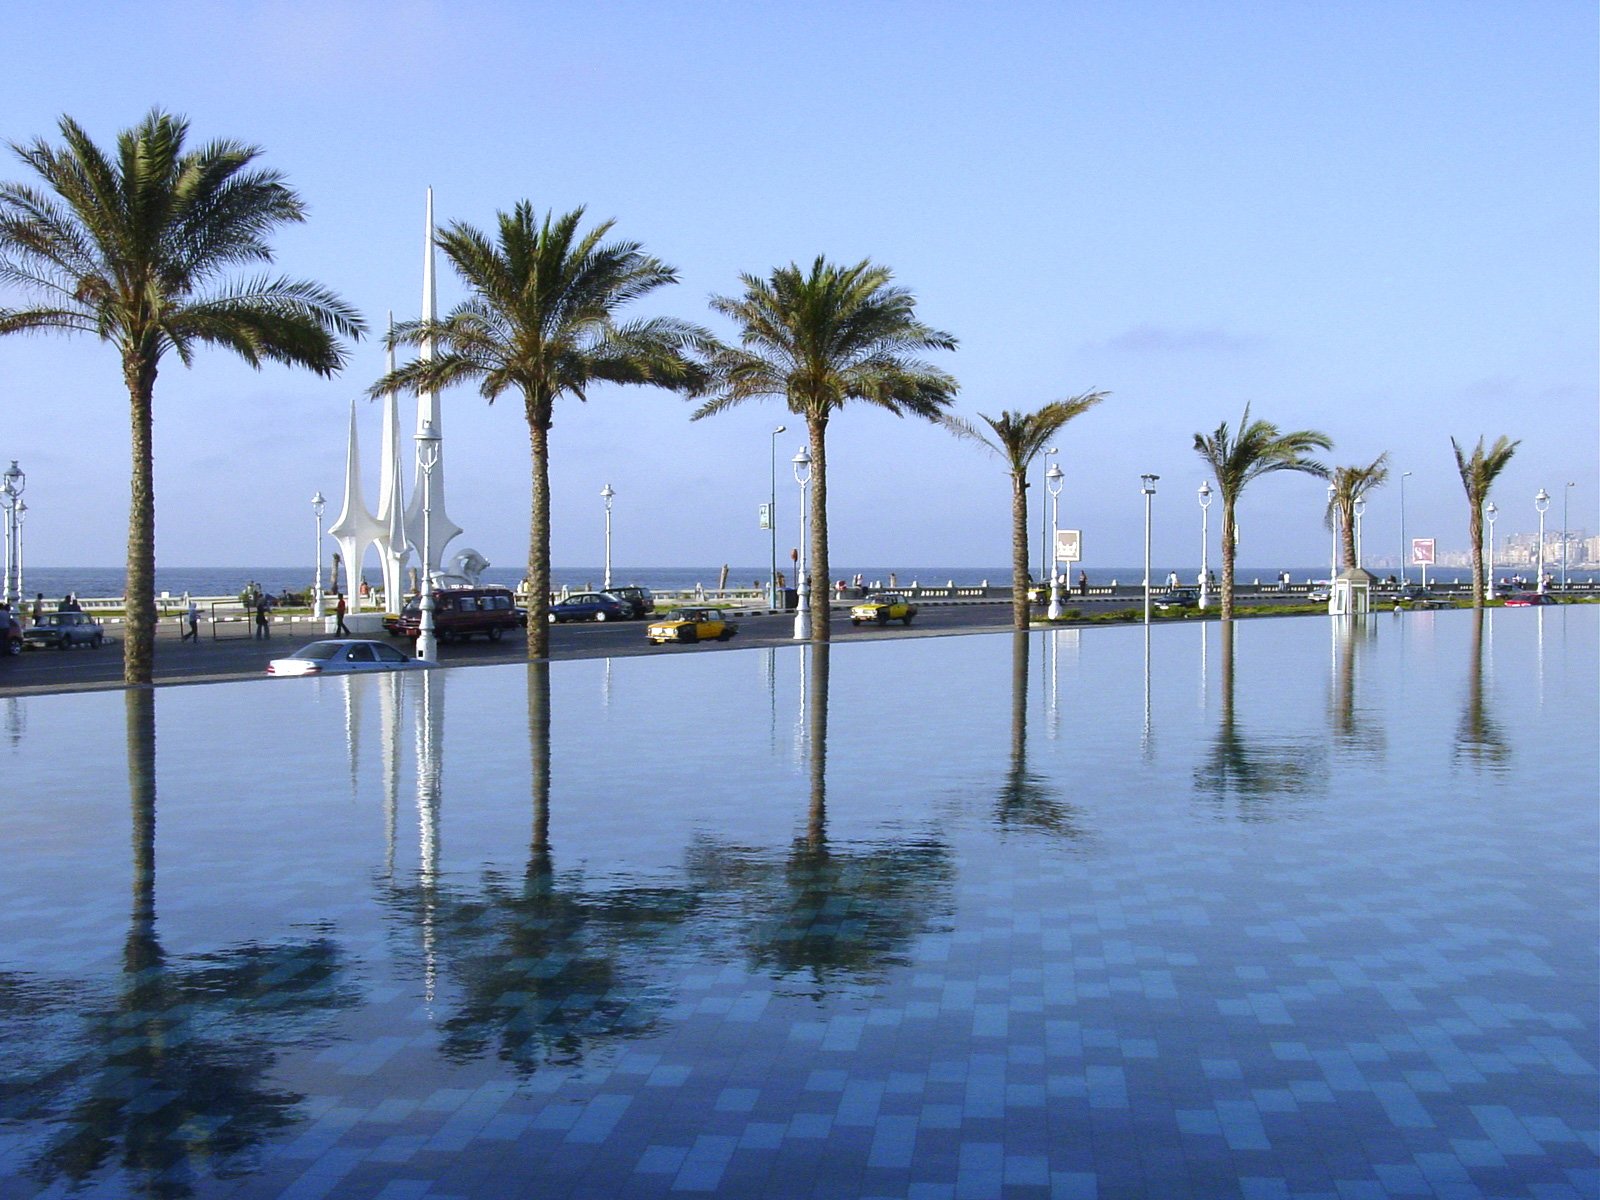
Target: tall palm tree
column 541, row 322
column 1018, row 438
column 1478, row 473
column 1350, row 484
column 1259, row 448
column 820, row 338
column 136, row 247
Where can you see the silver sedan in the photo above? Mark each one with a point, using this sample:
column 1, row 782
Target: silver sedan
column 345, row 656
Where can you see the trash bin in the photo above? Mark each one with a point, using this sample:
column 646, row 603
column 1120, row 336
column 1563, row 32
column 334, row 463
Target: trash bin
column 791, row 600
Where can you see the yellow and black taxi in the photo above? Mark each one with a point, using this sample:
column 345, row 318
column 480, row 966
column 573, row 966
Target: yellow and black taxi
column 691, row 625
column 883, row 607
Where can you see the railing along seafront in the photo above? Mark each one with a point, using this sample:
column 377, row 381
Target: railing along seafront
column 227, row 610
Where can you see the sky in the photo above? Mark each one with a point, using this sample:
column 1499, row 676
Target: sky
column 1376, row 220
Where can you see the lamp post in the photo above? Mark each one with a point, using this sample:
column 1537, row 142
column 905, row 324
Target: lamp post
column 606, row 494
column 1052, row 481
column 427, row 459
column 1044, row 519
column 802, row 611
column 1359, row 507
column 318, row 505
column 1565, row 493
column 22, row 515
column 1147, row 484
column 1489, row 514
column 772, row 520
column 1405, row 547
column 1333, row 551
column 1205, row 543
column 1541, row 503
column 11, row 488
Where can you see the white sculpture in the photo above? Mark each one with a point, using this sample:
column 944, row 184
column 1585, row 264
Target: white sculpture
column 442, row 530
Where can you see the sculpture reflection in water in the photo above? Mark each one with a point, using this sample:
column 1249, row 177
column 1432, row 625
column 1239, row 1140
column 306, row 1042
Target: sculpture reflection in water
column 1480, row 742
column 1254, row 773
column 823, row 915
column 535, row 970
column 1025, row 799
column 1355, row 728
column 164, row 1074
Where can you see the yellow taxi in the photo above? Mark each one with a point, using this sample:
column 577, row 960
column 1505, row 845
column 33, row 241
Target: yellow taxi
column 691, row 625
column 883, row 607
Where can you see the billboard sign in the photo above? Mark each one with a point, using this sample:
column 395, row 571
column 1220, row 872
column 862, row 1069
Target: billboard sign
column 1422, row 552
column 1069, row 545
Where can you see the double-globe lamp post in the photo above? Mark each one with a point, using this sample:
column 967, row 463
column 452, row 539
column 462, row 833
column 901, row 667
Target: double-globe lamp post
column 427, row 459
column 1052, row 482
column 606, row 494
column 11, row 488
column 318, row 505
column 802, row 611
column 1044, row 521
column 1147, row 485
column 1205, row 543
column 1489, row 514
column 774, row 599
column 1359, row 507
column 1565, row 493
column 1541, row 504
column 1405, row 546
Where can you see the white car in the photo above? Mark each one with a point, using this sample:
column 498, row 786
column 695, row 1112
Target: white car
column 345, row 656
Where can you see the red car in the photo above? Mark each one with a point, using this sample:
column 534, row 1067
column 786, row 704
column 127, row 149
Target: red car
column 1529, row 599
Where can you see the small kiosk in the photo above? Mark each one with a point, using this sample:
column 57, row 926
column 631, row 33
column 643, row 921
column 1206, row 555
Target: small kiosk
column 1351, row 594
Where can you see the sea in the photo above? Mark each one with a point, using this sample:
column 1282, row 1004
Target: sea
column 101, row 582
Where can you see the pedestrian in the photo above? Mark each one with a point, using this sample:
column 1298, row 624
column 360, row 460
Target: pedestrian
column 1083, row 583
column 1172, row 579
column 263, row 620
column 193, row 617
column 38, row 608
column 338, row 612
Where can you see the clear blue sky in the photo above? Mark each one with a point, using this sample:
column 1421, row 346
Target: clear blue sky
column 1372, row 219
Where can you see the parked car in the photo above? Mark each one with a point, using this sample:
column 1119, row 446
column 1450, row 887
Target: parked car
column 639, row 602
column 883, row 607
column 587, row 606
column 691, row 625
column 345, row 656
column 1417, row 596
column 64, row 630
column 1529, row 599
column 1175, row 598
column 460, row 613
column 10, row 633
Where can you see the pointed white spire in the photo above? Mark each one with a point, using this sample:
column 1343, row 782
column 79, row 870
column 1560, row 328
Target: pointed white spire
column 356, row 526
column 396, row 548
column 443, row 530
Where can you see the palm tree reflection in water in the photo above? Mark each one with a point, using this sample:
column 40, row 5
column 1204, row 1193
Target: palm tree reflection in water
column 1480, row 742
column 1024, row 799
column 1353, row 726
column 827, row 916
column 1254, row 773
column 166, row 1079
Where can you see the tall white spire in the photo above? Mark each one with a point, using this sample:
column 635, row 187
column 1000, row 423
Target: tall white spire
column 395, row 548
column 442, row 529
column 356, row 527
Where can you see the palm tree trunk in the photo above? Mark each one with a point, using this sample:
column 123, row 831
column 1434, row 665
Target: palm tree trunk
column 1227, row 558
column 539, row 535
column 138, row 646
column 1347, row 533
column 817, row 428
column 1019, row 551
column 1475, row 536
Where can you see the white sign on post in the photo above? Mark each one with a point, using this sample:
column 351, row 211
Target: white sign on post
column 766, row 516
column 1422, row 552
column 1069, row 545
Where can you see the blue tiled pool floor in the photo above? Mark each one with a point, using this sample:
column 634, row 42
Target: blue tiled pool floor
column 1301, row 917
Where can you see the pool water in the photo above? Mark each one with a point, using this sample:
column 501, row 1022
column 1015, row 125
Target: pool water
column 1307, row 911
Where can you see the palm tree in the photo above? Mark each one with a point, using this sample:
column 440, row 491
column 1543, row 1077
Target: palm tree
column 818, row 339
column 1018, row 437
column 1258, row 449
column 1478, row 473
column 1350, row 484
column 541, row 322
column 136, row 248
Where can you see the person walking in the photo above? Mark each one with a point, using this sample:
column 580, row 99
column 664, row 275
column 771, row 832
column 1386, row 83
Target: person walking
column 263, row 620
column 192, row 616
column 339, row 610
column 38, row 608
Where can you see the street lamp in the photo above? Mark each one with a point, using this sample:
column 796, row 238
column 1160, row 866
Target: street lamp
column 1489, row 514
column 1565, row 493
column 318, row 504
column 1205, row 543
column 802, row 612
column 1405, row 547
column 12, row 484
column 1541, row 502
column 1052, row 482
column 772, row 519
column 22, row 515
column 1359, row 506
column 1044, row 522
column 427, row 459
column 1147, row 484
column 605, row 494
column 1333, row 553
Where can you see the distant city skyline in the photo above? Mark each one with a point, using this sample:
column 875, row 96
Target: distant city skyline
column 1378, row 222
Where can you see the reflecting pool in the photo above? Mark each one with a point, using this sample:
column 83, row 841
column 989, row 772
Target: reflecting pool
column 1310, row 911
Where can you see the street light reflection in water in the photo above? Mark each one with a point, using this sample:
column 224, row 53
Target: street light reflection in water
column 870, row 914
